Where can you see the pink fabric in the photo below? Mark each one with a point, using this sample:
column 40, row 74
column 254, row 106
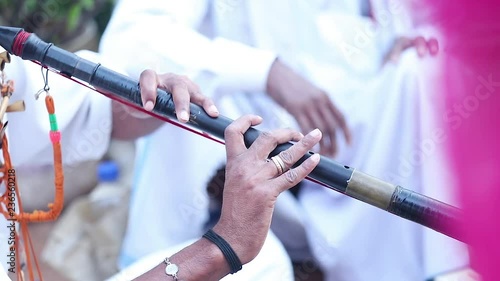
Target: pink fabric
column 471, row 112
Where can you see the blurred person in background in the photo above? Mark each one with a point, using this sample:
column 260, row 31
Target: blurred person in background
column 352, row 68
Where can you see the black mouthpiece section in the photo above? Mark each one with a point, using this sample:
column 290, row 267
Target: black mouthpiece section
column 8, row 36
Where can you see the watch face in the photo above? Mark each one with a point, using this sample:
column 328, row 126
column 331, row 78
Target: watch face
column 171, row 269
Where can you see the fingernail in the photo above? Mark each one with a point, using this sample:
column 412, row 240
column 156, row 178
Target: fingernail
column 316, row 132
column 149, row 105
column 184, row 116
column 213, row 109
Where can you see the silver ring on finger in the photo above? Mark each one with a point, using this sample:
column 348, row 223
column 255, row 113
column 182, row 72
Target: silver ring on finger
column 279, row 163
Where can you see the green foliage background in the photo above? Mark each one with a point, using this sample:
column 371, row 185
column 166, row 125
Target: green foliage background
column 55, row 20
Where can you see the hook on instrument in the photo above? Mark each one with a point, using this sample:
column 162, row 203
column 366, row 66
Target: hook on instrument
column 46, row 87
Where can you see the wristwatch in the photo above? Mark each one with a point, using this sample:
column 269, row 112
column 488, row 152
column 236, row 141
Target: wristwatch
column 171, row 269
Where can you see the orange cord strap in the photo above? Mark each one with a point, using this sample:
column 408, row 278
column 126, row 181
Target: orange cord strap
column 55, row 208
column 10, row 201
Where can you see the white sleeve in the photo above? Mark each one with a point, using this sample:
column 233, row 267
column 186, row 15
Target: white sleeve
column 83, row 117
column 162, row 35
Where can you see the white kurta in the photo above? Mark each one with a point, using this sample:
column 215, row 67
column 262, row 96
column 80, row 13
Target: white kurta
column 339, row 50
column 84, row 120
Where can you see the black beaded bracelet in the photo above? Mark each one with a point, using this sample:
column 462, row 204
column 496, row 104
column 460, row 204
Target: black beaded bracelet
column 227, row 251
